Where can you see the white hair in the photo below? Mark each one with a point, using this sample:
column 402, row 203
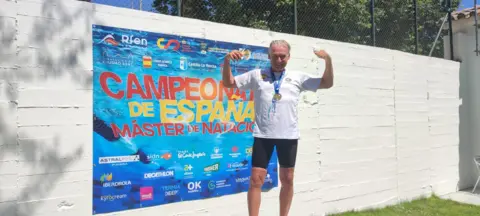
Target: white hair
column 279, row 42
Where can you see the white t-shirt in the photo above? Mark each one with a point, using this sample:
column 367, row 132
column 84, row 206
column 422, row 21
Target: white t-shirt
column 283, row 123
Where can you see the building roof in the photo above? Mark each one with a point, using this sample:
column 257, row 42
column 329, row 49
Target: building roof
column 466, row 13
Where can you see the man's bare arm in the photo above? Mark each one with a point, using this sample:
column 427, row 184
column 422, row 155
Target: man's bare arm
column 227, row 76
column 327, row 79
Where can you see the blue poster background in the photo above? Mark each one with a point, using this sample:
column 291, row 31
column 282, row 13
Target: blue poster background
column 147, row 150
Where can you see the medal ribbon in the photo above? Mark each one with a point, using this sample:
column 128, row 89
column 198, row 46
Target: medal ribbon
column 276, row 87
column 277, row 83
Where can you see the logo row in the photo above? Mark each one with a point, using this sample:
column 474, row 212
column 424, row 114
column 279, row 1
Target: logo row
column 147, row 192
column 181, row 155
column 128, row 59
column 185, row 46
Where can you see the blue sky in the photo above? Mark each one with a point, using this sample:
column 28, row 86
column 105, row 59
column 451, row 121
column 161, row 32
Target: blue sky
column 146, row 4
column 466, row 4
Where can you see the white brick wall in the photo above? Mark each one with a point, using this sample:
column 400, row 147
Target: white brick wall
column 387, row 131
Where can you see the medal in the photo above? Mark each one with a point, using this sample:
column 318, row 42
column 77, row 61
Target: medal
column 277, row 97
column 276, row 84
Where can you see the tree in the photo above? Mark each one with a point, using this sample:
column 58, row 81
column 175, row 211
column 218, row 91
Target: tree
column 340, row 20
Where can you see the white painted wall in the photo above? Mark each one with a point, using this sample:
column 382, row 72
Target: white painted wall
column 464, row 47
column 387, row 131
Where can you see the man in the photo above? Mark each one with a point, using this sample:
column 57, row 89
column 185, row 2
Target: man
column 276, row 94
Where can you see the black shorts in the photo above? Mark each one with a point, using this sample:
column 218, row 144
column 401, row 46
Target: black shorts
column 263, row 149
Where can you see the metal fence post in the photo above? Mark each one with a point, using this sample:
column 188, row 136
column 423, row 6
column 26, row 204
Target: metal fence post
column 372, row 21
column 449, row 7
column 415, row 14
column 295, row 17
column 476, row 26
column 179, row 7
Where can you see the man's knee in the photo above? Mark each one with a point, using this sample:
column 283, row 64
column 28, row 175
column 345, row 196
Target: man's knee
column 286, row 176
column 257, row 177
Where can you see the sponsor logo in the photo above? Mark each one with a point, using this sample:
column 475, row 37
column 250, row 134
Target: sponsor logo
column 211, row 185
column 165, row 156
column 194, row 187
column 109, row 39
column 162, row 63
column 173, row 44
column 171, row 193
column 132, row 40
column 218, row 50
column 235, row 152
column 237, row 166
column 170, row 187
column 113, row 197
column 218, row 184
column 118, row 159
column 212, row 168
column 242, row 180
column 216, row 154
column 187, row 167
column 114, row 58
column 106, row 180
column 146, row 193
column 131, row 158
column 249, row 151
column 185, row 64
column 188, row 171
column 160, row 174
column 116, row 184
column 147, row 61
column 171, row 190
column 164, row 44
column 187, row 154
column 203, row 48
column 125, row 39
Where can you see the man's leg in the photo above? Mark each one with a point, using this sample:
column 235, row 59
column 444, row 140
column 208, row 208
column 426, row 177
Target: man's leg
column 261, row 153
column 287, row 155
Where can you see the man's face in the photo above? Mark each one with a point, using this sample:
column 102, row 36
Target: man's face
column 279, row 57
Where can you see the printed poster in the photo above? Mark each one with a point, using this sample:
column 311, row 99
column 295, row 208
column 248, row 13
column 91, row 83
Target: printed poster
column 165, row 128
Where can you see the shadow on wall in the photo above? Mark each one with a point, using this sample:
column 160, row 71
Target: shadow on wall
column 22, row 65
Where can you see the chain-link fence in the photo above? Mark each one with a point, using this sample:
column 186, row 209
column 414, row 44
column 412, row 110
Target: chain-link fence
column 406, row 25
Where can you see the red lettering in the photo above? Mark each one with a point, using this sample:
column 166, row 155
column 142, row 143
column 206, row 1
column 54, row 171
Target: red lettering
column 132, row 82
column 103, row 83
column 148, row 129
column 227, row 91
column 189, row 89
column 173, row 88
column 150, row 86
column 203, row 88
column 159, row 129
column 169, row 129
column 179, row 129
column 166, row 87
column 124, row 132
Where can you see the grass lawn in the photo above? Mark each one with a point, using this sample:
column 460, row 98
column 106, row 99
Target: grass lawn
column 432, row 206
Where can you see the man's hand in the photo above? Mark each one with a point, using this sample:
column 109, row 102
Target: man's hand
column 327, row 79
column 322, row 54
column 234, row 55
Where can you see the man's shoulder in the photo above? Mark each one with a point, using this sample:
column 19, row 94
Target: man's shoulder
column 255, row 70
column 297, row 74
